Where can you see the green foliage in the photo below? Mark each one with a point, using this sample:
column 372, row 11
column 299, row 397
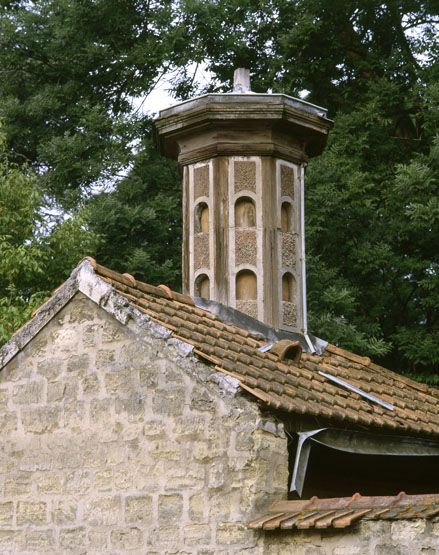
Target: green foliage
column 371, row 206
column 69, row 72
column 139, row 225
column 33, row 258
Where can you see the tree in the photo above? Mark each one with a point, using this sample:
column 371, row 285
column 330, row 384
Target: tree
column 70, row 70
column 140, row 224
column 33, row 257
column 371, row 213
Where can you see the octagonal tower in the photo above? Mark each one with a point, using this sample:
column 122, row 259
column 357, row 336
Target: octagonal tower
column 243, row 157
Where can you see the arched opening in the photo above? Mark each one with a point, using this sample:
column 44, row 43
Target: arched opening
column 286, row 217
column 202, row 286
column 201, row 218
column 288, row 287
column 246, row 286
column 245, row 212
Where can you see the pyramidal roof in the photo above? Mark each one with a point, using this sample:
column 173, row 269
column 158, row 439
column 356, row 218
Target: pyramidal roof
column 336, row 386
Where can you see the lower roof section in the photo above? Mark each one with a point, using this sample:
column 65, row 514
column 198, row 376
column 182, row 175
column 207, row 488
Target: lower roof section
column 343, row 512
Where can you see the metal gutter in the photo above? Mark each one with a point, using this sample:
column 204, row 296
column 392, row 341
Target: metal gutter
column 303, row 259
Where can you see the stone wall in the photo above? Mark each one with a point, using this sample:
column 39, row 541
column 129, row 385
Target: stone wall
column 116, row 440
column 120, row 441
column 400, row 537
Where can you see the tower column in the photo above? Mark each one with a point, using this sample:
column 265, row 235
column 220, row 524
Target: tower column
column 242, row 156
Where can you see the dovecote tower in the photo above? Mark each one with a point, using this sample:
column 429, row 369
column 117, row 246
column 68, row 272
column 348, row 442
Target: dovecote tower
column 243, row 156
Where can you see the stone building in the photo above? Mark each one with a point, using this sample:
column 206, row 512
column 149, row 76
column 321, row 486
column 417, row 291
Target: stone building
column 139, row 420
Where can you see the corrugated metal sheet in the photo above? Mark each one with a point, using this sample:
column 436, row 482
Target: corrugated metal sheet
column 344, row 511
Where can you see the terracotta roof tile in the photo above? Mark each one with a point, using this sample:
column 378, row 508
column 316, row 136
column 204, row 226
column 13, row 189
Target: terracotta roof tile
column 286, row 385
column 342, row 512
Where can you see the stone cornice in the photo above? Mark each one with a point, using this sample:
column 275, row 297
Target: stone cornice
column 240, row 115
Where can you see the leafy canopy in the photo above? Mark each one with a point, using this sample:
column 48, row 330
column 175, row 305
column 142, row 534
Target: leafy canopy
column 70, row 70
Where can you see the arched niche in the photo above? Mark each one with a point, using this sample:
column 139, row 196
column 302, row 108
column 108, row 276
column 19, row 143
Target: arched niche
column 246, row 286
column 202, row 286
column 201, row 218
column 288, row 287
column 245, row 212
column 286, row 217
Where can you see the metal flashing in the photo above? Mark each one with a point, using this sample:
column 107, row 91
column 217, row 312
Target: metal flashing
column 355, row 389
column 309, row 344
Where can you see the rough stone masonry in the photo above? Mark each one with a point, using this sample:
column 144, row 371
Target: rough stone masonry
column 117, row 443
column 117, row 440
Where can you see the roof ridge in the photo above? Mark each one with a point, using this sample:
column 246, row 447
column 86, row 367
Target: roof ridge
column 131, row 281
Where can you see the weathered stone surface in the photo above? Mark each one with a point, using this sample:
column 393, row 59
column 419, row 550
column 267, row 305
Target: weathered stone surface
column 31, row 512
column 122, row 443
column 73, row 539
column 138, row 509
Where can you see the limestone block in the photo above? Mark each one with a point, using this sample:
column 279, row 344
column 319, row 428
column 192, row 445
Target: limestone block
column 111, row 333
column 78, row 482
column 198, row 505
column 103, row 511
column 405, row 531
column 50, row 483
column 170, row 509
column 40, row 420
column 229, row 533
column 18, row 484
column 217, row 475
column 169, row 401
column 28, row 393
column 154, row 428
column 40, row 540
column 77, row 363
column 138, row 509
column 64, row 512
column 6, row 513
column 101, row 411
column 91, row 334
column 197, row 534
column 165, row 539
column 191, row 426
column 120, row 383
column 126, row 538
column 89, row 383
column 50, row 368
column 73, row 539
column 4, row 398
column 106, row 359
column 149, row 376
column 244, row 441
column 31, row 512
column 8, row 538
column 201, row 400
column 132, row 408
column 123, row 480
column 103, row 480
column 62, row 391
column 75, row 415
column 387, row 549
column 9, row 422
column 97, row 539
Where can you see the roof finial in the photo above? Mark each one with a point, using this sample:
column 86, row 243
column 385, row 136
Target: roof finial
column 241, row 80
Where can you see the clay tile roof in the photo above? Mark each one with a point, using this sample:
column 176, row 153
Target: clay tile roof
column 293, row 386
column 344, row 511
